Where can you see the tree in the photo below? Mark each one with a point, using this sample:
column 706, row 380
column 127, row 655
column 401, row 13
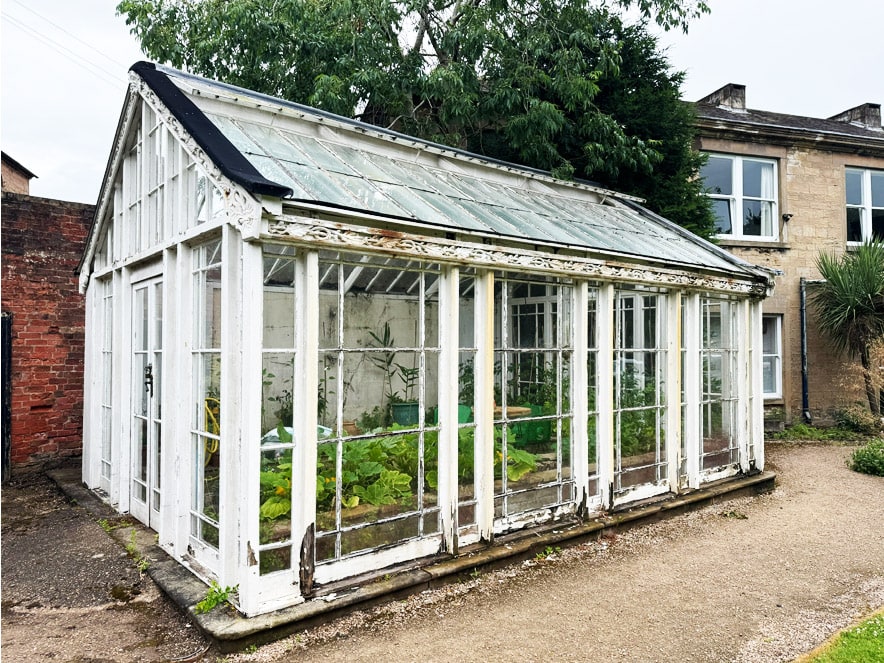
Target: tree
column 523, row 80
column 850, row 306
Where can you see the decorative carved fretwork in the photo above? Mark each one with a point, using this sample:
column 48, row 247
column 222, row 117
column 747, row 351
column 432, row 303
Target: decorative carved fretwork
column 241, row 207
column 314, row 232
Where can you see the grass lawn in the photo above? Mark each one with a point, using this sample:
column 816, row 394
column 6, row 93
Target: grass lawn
column 863, row 642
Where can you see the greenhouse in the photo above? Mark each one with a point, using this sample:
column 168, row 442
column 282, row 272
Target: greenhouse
column 317, row 348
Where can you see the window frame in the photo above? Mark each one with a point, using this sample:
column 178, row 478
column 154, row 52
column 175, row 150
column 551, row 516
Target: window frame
column 866, row 206
column 778, row 356
column 737, row 198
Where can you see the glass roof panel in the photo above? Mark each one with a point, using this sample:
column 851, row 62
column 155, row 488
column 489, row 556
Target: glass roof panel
column 456, row 215
column 370, row 198
column 236, row 136
column 314, row 151
column 272, row 170
column 408, row 199
column 320, row 186
column 274, row 143
column 360, row 161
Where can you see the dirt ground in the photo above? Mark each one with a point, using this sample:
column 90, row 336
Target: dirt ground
column 751, row 580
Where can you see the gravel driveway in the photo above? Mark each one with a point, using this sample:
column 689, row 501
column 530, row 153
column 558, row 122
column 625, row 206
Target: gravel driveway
column 755, row 579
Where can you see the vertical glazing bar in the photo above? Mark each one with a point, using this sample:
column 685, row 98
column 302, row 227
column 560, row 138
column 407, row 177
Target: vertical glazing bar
column 580, row 394
column 305, row 388
column 231, row 452
column 605, row 391
column 484, row 404
column 756, row 386
column 672, row 345
column 252, row 396
column 448, row 398
column 92, row 363
column 693, row 370
column 743, row 389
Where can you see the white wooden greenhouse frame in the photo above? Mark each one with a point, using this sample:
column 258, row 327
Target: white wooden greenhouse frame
column 465, row 347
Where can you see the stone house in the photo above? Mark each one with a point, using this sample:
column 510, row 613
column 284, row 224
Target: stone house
column 785, row 188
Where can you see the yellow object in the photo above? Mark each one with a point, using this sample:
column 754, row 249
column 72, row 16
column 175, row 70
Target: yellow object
column 213, row 426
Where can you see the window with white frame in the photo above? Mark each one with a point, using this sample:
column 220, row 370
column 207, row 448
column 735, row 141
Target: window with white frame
column 865, row 204
column 772, row 357
column 743, row 193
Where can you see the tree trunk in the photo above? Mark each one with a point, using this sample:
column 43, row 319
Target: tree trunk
column 871, row 395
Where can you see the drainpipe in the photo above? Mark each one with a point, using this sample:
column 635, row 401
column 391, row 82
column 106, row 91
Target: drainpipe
column 805, row 397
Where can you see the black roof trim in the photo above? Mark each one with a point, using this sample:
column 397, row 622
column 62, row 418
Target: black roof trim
column 219, row 149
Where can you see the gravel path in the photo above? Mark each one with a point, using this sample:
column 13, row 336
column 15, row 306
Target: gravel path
column 759, row 579
column 753, row 580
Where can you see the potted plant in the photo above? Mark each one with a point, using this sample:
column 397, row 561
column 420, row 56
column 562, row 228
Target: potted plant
column 405, row 409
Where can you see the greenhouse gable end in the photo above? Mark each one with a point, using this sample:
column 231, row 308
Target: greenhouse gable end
column 317, row 348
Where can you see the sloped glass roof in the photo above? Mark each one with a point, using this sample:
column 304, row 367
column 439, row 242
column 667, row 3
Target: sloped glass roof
column 334, row 161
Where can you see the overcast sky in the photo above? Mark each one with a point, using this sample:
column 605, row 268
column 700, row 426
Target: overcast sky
column 65, row 62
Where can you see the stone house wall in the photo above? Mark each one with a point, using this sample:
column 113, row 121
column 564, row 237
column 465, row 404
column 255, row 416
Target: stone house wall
column 811, row 190
column 42, row 242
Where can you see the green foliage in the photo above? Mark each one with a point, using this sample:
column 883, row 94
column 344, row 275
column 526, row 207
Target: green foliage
column 868, row 459
column 379, row 471
column 214, row 597
column 863, row 642
column 559, row 85
column 802, row 432
column 857, row 419
column 638, row 428
column 547, row 552
column 850, row 306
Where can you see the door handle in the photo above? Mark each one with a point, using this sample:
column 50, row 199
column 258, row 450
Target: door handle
column 148, row 379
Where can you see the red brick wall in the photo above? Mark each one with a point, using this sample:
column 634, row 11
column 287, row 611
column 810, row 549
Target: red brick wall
column 42, row 241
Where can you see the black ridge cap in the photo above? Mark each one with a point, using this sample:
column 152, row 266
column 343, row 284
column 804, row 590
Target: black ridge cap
column 755, row 270
column 363, row 126
column 219, row 149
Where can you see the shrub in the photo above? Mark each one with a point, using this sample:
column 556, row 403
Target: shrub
column 858, row 419
column 869, row 459
column 803, row 432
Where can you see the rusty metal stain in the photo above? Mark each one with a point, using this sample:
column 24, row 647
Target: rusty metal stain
column 250, row 552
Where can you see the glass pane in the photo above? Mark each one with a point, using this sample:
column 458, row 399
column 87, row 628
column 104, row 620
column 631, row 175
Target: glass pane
column 757, row 179
column 278, row 559
column 854, row 185
column 769, row 335
column 854, row 224
column 877, row 189
column 275, row 522
column 768, row 373
column 752, row 217
column 721, row 209
column 212, row 302
column 717, row 177
column 878, row 224
column 277, row 379
column 279, row 317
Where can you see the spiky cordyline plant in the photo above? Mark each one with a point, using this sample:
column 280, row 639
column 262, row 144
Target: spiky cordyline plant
column 850, row 305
